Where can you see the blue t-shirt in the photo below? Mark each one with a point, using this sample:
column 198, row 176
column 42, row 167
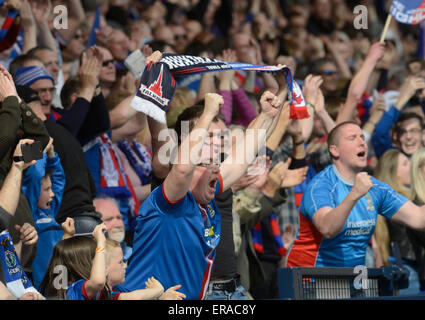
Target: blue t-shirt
column 174, row 242
column 77, row 291
column 348, row 248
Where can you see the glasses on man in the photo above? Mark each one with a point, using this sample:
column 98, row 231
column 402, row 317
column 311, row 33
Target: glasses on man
column 210, row 165
column 107, row 62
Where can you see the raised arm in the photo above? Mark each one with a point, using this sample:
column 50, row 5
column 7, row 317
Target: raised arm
column 28, row 26
column 97, row 279
column 359, row 83
column 76, row 16
column 10, row 190
column 376, row 112
column 311, row 95
column 322, row 114
column 179, row 179
column 41, row 11
column 259, row 130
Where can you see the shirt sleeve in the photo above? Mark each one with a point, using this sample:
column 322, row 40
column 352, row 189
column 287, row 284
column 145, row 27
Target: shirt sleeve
column 77, row 291
column 389, row 200
column 317, row 196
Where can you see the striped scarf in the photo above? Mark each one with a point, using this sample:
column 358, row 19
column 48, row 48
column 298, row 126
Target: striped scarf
column 257, row 237
column 17, row 281
column 9, row 31
column 158, row 83
column 113, row 179
column 140, row 159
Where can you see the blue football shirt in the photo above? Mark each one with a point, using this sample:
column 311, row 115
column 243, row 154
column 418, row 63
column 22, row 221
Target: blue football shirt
column 348, row 248
column 174, row 242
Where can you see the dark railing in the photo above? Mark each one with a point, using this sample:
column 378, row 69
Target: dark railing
column 303, row 283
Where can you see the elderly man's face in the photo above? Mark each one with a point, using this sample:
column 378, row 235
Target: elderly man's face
column 119, row 45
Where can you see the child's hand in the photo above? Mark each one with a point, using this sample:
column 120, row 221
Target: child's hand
column 153, row 283
column 173, row 294
column 68, row 228
column 99, row 233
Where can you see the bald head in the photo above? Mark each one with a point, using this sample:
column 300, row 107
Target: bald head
column 335, row 134
column 118, row 45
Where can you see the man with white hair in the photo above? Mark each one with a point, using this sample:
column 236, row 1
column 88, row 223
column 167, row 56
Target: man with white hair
column 109, row 209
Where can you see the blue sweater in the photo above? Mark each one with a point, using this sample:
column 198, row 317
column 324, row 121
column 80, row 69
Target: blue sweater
column 49, row 231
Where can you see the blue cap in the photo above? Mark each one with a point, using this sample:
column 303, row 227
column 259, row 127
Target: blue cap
column 25, row 76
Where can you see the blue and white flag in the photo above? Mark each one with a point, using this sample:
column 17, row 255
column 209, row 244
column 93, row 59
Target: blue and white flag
column 408, row 11
column 17, row 281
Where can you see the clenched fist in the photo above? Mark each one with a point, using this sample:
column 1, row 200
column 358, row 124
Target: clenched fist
column 213, row 102
column 362, row 185
column 270, row 104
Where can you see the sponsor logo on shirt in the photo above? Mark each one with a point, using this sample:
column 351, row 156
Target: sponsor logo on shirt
column 358, row 228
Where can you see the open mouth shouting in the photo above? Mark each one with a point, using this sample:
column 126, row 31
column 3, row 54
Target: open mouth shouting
column 212, row 184
column 361, row 154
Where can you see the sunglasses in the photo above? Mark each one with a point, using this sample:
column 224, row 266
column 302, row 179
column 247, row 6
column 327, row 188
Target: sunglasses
column 107, row 62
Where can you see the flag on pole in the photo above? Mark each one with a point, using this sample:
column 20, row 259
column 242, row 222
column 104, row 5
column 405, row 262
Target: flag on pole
column 96, row 26
column 408, row 11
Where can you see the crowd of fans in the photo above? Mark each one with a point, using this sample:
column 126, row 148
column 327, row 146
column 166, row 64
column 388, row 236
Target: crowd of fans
column 124, row 225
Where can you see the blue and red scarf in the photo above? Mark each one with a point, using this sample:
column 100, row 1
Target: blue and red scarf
column 257, row 237
column 140, row 158
column 113, row 179
column 158, row 82
column 9, row 30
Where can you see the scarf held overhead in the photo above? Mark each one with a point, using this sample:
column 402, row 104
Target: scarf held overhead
column 158, row 82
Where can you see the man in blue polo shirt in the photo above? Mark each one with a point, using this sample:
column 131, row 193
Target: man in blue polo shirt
column 340, row 205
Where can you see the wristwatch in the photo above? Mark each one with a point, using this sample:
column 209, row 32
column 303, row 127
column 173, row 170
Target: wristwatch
column 18, row 158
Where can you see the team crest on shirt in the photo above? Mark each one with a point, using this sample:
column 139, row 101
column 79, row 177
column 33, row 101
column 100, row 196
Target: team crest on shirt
column 370, row 205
